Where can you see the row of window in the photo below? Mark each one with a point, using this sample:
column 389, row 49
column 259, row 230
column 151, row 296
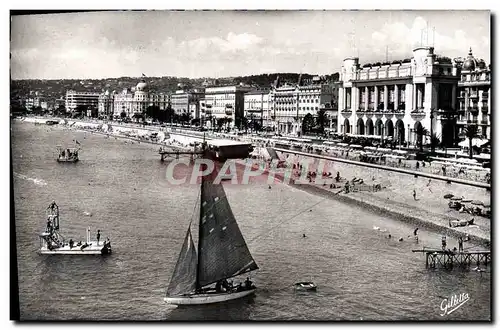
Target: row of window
column 295, row 109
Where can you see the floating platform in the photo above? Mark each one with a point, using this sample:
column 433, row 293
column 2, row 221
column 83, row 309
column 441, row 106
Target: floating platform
column 435, row 258
column 90, row 248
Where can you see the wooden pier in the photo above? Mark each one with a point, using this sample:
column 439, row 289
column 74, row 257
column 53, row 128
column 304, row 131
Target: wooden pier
column 176, row 153
column 435, row 257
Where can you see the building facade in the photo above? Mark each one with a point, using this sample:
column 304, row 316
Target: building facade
column 131, row 102
column 474, row 96
column 87, row 100
column 106, row 104
column 257, row 107
column 291, row 103
column 395, row 100
column 187, row 102
column 225, row 102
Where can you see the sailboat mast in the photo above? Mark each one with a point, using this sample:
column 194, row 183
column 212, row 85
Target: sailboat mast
column 198, row 267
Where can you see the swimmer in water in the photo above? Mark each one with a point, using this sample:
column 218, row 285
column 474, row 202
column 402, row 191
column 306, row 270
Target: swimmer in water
column 304, row 235
column 400, row 239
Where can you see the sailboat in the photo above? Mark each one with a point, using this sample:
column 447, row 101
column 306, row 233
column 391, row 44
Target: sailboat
column 222, row 253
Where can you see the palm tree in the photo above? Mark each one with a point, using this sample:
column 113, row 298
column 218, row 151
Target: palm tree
column 321, row 119
column 471, row 132
column 421, row 132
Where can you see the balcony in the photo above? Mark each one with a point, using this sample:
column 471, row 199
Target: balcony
column 485, row 95
column 484, row 122
column 473, row 95
column 346, row 112
column 484, row 109
column 229, row 112
column 474, row 108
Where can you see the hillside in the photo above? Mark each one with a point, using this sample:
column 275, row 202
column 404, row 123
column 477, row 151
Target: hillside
column 54, row 89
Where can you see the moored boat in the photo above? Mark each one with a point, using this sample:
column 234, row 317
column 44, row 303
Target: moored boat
column 305, row 286
column 222, row 253
column 68, row 155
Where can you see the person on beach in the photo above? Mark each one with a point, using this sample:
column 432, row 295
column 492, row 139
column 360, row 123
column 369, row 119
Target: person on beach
column 460, row 244
column 414, row 194
column 443, row 242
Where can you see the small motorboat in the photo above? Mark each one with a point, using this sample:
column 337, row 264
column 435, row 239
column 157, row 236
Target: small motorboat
column 305, row 286
column 68, row 155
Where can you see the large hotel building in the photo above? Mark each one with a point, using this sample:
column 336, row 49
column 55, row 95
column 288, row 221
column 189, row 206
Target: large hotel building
column 394, row 99
column 291, row 103
column 224, row 102
column 474, row 101
column 130, row 101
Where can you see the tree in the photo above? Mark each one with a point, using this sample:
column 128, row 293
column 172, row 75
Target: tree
column 220, row 123
column 168, row 114
column 307, row 123
column 153, row 112
column 94, row 113
column 60, row 111
column 81, row 110
column 471, row 132
column 435, row 140
column 185, row 118
column 421, row 132
column 321, row 120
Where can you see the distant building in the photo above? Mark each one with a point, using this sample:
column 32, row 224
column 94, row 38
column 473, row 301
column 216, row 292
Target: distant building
column 257, row 107
column 34, row 100
column 225, row 102
column 106, row 104
column 87, row 100
column 291, row 103
column 393, row 100
column 132, row 102
column 187, row 101
column 474, row 92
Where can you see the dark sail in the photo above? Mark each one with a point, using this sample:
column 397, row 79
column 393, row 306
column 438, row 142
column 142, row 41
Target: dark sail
column 222, row 250
column 184, row 276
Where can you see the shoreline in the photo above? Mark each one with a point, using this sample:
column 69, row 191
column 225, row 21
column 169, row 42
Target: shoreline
column 390, row 209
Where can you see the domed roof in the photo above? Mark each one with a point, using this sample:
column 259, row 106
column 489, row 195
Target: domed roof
column 470, row 62
column 141, row 86
column 482, row 64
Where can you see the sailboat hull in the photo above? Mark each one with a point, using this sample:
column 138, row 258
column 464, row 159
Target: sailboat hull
column 207, row 298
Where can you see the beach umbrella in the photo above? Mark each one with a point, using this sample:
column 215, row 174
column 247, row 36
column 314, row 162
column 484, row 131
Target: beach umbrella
column 466, row 200
column 456, row 198
column 448, row 196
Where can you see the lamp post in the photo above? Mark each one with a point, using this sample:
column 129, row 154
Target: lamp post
column 408, row 142
column 432, row 131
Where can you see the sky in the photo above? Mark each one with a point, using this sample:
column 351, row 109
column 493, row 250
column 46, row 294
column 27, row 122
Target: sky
column 217, row 44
